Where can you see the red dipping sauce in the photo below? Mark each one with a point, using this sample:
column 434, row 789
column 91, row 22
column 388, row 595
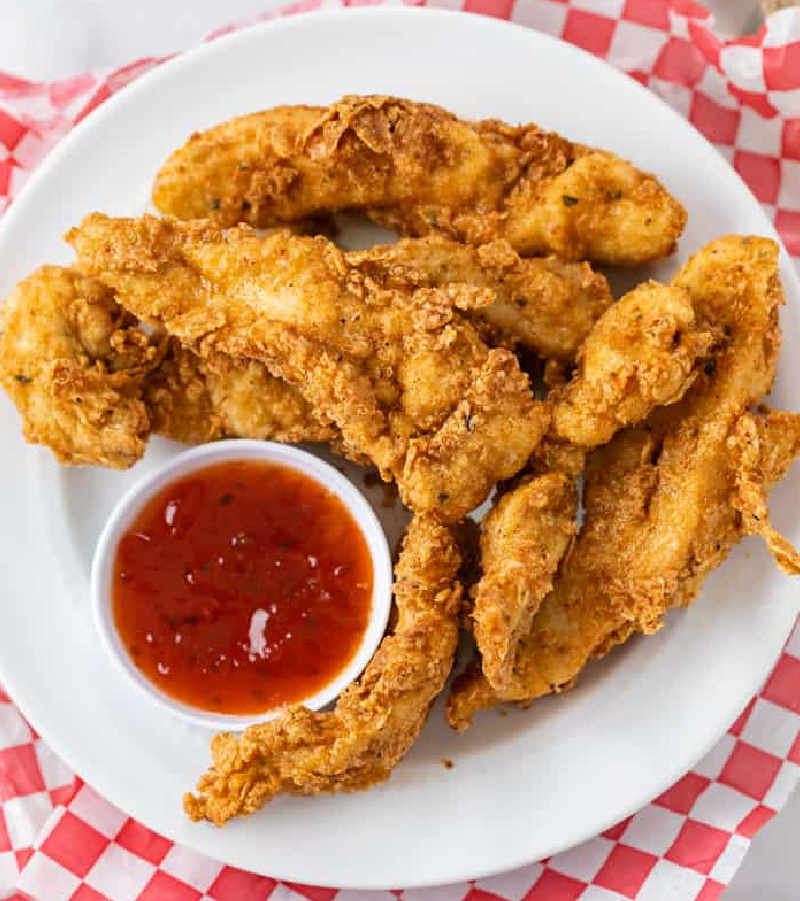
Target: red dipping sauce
column 242, row 587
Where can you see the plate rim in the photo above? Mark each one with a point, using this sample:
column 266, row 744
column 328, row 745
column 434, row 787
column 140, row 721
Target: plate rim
column 15, row 688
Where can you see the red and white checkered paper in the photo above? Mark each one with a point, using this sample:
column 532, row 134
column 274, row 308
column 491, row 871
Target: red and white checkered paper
column 60, row 841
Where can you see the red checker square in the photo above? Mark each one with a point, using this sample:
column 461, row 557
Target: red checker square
column 706, row 42
column 22, row 856
column 647, row 12
column 788, row 224
column 18, row 87
column 754, row 820
column 163, row 887
column 5, row 841
column 238, row 885
column 744, row 716
column 314, row 892
column 641, row 77
column 757, row 102
column 615, row 832
column 625, row 870
column 75, row 845
column 698, row 846
column 19, row 772
column 790, row 139
column 711, row 891
column 85, row 892
column 477, row 894
column 4, row 698
column 590, row 31
column 782, row 67
column 783, row 686
column 552, row 886
column 6, row 168
column 794, row 751
column 682, row 796
column 718, row 123
column 101, row 94
column 11, row 130
column 763, row 177
column 690, row 8
column 752, row 40
column 680, row 62
column 750, row 770
column 498, row 9
column 143, row 842
column 63, row 795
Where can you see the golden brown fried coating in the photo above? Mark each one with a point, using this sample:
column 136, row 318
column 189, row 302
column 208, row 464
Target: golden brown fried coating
column 661, row 500
column 545, row 304
column 194, row 400
column 400, row 371
column 754, row 441
column 74, row 364
column 376, row 720
column 643, row 353
column 523, row 539
column 419, row 170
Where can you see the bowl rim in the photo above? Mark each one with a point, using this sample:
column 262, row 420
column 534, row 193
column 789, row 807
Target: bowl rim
column 203, row 457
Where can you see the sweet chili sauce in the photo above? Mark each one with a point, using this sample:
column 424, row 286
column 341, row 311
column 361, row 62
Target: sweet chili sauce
column 242, row 587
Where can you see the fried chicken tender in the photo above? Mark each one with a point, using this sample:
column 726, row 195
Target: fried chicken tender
column 419, row 170
column 755, row 440
column 376, row 720
column 400, row 371
column 74, row 364
column 545, row 304
column 523, row 539
column 643, row 353
column 663, row 501
column 194, row 400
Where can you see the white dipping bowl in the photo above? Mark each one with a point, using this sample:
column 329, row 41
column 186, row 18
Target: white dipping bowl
column 136, row 498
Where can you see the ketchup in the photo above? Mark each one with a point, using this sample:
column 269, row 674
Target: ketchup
column 242, row 587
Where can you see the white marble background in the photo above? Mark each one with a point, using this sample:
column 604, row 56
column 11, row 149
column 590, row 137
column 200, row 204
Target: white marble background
column 48, row 39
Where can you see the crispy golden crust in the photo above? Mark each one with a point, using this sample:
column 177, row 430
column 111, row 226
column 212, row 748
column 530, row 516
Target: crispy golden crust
column 661, row 500
column 376, row 720
column 400, row 371
column 643, row 353
column 194, row 400
column 546, row 305
column 420, row 170
column 74, row 364
column 760, row 446
column 523, row 539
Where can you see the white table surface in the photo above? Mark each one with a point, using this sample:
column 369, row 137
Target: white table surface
column 47, row 39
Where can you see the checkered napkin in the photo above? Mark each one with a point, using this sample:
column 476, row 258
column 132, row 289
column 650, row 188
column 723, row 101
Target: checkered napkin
column 59, row 840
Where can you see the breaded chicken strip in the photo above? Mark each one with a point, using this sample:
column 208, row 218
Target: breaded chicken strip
column 194, row 400
column 643, row 353
column 92, row 386
column 761, row 444
column 545, row 304
column 74, row 364
column 523, row 539
column 662, row 501
column 400, row 371
column 376, row 719
column 419, row 170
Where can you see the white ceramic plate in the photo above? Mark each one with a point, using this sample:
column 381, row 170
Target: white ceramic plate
column 523, row 786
